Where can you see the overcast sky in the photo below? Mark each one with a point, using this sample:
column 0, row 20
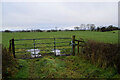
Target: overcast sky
column 48, row 15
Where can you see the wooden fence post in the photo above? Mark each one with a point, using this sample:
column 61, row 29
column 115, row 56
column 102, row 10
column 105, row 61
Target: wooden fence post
column 78, row 48
column 54, row 47
column 13, row 48
column 34, row 47
column 10, row 46
column 73, row 45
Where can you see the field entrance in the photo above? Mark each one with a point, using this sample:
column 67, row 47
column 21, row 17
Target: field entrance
column 36, row 48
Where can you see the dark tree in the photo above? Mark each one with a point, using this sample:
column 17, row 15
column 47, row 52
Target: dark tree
column 98, row 29
column 103, row 29
column 7, row 31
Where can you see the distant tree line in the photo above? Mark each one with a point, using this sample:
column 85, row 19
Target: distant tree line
column 109, row 28
column 38, row 30
column 90, row 27
column 85, row 27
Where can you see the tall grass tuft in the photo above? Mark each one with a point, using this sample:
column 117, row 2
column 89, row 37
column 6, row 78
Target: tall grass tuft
column 102, row 54
column 9, row 64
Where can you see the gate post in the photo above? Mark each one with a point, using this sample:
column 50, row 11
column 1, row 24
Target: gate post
column 34, row 48
column 10, row 46
column 54, row 47
column 78, row 48
column 73, row 45
column 13, row 48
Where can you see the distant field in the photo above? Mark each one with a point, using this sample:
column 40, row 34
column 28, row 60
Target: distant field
column 107, row 37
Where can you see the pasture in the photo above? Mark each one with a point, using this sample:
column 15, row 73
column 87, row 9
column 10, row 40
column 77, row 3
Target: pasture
column 63, row 66
column 107, row 37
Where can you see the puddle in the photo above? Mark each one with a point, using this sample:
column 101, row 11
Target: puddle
column 36, row 54
column 57, row 51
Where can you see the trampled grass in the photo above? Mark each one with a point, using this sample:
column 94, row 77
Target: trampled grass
column 64, row 67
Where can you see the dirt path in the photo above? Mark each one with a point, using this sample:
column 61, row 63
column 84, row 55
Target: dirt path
column 49, row 67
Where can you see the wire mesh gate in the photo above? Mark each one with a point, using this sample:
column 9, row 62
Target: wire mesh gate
column 35, row 48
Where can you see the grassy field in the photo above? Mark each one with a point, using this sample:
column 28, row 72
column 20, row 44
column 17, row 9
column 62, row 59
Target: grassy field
column 62, row 67
column 107, row 37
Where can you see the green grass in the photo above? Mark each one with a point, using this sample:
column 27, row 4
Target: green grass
column 107, row 37
column 23, row 71
column 64, row 67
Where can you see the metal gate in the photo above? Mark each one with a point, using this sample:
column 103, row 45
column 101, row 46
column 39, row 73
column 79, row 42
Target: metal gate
column 36, row 48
